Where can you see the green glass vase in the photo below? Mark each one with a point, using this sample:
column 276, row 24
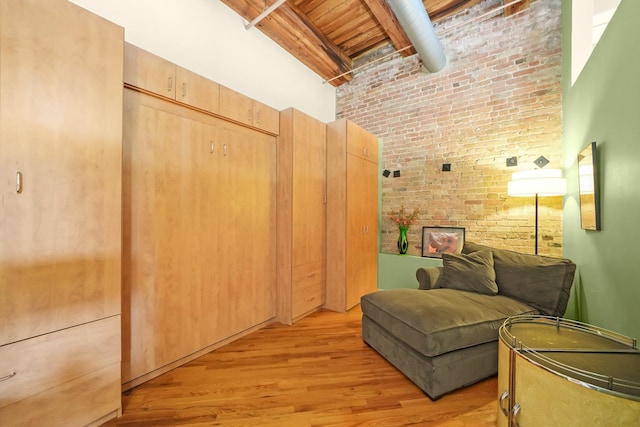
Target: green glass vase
column 403, row 243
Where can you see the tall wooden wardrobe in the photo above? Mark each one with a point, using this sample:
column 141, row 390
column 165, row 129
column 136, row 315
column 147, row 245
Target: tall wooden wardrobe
column 301, row 215
column 352, row 214
column 60, row 223
column 199, row 215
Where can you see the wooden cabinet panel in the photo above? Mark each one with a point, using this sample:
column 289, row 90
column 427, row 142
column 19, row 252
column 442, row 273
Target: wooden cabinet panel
column 60, row 130
column 265, row 117
column 193, row 89
column 45, row 361
column 60, row 216
column 361, row 230
column 160, row 247
column 147, row 71
column 309, row 190
column 308, row 289
column 361, row 143
column 199, row 235
column 151, row 73
column 236, row 106
column 84, row 401
column 301, row 212
column 352, row 207
column 248, row 237
column 244, row 110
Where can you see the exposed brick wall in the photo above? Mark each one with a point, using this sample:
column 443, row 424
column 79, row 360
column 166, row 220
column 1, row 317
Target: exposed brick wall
column 499, row 96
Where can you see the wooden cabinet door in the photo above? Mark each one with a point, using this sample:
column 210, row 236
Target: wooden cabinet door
column 153, row 283
column 247, row 239
column 193, row 89
column 147, row 71
column 244, row 110
column 361, row 143
column 309, row 190
column 61, row 138
column 362, row 236
column 369, row 181
column 356, row 231
column 265, row 117
column 165, row 235
column 236, row 106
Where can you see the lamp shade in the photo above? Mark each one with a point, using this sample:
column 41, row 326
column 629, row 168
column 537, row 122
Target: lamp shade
column 543, row 182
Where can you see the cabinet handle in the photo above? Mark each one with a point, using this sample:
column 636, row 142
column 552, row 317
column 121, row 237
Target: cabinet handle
column 504, row 396
column 170, row 84
column 258, row 117
column 11, row 375
column 224, row 149
column 311, row 274
column 212, row 146
column 514, row 414
column 18, row 182
column 184, row 89
column 250, row 115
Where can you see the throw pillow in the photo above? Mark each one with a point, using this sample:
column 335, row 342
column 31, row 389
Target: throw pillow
column 473, row 272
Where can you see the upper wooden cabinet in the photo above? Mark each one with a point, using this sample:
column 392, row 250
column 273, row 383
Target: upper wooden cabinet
column 151, row 73
column 147, row 71
column 361, row 144
column 301, row 215
column 245, row 110
column 197, row 91
column 60, row 215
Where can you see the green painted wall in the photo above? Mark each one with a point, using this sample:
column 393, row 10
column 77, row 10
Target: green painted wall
column 399, row 271
column 604, row 106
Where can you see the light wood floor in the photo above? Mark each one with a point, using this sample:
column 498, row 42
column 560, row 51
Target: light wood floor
column 318, row 372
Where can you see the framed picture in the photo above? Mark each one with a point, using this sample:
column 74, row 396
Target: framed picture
column 437, row 240
column 589, row 189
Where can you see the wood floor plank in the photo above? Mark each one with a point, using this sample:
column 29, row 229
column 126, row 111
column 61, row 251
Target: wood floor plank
column 317, row 372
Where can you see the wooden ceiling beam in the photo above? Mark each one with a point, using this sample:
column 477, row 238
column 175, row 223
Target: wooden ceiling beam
column 441, row 9
column 391, row 26
column 293, row 31
column 516, row 8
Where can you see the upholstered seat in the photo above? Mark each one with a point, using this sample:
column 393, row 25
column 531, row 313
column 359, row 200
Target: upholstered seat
column 444, row 335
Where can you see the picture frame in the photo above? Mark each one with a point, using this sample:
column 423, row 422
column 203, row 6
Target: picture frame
column 589, row 188
column 439, row 240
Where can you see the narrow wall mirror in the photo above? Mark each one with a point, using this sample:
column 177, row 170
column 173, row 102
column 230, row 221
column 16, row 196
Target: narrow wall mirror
column 589, row 189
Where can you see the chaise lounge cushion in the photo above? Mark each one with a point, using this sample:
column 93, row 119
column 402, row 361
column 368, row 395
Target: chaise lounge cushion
column 523, row 276
column 473, row 272
column 433, row 323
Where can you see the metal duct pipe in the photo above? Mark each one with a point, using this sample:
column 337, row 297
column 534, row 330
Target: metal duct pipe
column 416, row 24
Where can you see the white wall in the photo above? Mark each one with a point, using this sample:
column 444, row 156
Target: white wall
column 589, row 19
column 208, row 38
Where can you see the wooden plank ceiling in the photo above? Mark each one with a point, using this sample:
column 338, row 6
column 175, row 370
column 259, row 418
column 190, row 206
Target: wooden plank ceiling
column 327, row 35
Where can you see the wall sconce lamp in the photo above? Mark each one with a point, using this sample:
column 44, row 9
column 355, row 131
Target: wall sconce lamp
column 538, row 183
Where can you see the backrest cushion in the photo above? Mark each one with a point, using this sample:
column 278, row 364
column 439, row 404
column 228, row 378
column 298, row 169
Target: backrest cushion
column 540, row 281
column 469, row 272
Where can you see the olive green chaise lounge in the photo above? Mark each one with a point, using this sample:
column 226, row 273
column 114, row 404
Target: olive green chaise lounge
column 444, row 334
